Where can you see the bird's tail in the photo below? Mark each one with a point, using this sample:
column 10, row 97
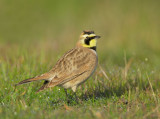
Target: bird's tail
column 44, row 86
column 47, row 84
column 37, row 78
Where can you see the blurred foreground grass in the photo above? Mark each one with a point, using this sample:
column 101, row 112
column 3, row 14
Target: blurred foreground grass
column 35, row 34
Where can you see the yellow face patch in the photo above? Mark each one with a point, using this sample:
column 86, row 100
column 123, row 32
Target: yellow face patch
column 88, row 40
column 92, row 43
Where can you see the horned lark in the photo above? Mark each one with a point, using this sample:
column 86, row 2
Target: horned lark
column 74, row 67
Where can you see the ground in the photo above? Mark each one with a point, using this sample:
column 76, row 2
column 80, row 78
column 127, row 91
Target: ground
column 126, row 83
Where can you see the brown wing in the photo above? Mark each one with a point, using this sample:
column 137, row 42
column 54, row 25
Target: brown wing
column 74, row 63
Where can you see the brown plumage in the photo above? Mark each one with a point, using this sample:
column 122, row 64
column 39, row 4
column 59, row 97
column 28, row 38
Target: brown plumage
column 73, row 68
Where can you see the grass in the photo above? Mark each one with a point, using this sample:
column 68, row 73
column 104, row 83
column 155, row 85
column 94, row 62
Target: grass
column 126, row 83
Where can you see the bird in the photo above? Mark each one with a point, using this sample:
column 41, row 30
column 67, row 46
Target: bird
column 74, row 67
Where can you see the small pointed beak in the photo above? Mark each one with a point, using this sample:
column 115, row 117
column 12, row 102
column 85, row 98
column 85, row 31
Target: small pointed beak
column 97, row 37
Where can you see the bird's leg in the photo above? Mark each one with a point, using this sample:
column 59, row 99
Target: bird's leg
column 67, row 95
column 77, row 100
column 74, row 90
column 66, row 92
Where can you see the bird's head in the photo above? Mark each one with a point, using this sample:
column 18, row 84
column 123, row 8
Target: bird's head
column 88, row 39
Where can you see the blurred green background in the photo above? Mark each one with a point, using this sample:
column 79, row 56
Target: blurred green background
column 121, row 23
column 34, row 34
column 125, row 26
column 47, row 29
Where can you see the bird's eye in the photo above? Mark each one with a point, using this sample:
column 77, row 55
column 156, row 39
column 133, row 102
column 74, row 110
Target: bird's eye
column 87, row 40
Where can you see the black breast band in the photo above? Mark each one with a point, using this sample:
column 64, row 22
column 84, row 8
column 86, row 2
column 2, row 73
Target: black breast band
column 93, row 48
